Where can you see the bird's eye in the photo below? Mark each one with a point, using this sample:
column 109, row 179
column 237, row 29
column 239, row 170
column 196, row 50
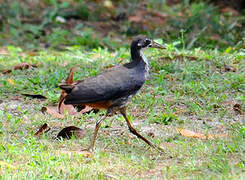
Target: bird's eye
column 147, row 41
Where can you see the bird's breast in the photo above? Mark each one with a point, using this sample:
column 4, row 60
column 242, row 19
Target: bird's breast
column 145, row 63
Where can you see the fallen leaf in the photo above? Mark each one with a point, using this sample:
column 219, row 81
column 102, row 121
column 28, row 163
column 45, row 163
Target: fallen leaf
column 43, row 129
column 69, row 131
column 11, row 81
column 36, row 64
column 188, row 133
column 108, row 67
column 51, row 110
column 70, row 108
column 62, row 107
column 237, row 108
column 37, row 96
column 21, row 66
column 87, row 109
column 69, row 79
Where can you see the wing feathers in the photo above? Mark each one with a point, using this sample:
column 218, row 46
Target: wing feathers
column 106, row 86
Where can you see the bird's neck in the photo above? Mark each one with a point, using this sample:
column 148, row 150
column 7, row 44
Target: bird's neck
column 139, row 58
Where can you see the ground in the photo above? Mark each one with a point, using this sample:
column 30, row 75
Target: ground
column 197, row 90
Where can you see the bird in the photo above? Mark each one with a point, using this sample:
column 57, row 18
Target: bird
column 114, row 88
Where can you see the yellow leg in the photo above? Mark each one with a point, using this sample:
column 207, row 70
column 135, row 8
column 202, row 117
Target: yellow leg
column 97, row 127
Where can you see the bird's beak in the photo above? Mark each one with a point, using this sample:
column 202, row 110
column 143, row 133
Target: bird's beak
column 156, row 45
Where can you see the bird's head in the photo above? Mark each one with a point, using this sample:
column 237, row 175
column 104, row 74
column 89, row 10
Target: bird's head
column 142, row 42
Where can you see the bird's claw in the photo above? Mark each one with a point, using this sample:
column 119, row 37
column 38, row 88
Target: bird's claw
column 159, row 149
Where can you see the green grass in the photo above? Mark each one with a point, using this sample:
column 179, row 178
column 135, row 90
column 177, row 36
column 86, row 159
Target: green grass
column 56, row 24
column 186, row 89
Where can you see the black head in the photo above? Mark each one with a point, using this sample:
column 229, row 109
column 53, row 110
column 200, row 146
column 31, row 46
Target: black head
column 142, row 42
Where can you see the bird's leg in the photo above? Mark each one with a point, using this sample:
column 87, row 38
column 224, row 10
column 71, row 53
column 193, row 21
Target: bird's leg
column 133, row 130
column 97, row 127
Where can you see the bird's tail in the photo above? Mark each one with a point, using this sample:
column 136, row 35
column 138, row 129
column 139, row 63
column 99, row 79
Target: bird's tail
column 67, row 88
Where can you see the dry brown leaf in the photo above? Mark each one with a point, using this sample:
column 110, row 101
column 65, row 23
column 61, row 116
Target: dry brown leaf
column 62, row 108
column 69, row 79
column 36, row 64
column 67, row 132
column 51, row 110
column 86, row 109
column 188, row 133
column 67, row 108
column 22, row 66
column 43, row 129
column 108, row 67
column 237, row 108
column 70, row 108
column 37, row 96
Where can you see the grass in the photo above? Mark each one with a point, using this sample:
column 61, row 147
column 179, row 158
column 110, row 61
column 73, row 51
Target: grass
column 55, row 24
column 186, row 89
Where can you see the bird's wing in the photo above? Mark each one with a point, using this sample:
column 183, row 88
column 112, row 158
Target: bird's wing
column 106, row 86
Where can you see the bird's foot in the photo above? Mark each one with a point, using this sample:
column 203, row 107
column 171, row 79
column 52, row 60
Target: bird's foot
column 159, row 149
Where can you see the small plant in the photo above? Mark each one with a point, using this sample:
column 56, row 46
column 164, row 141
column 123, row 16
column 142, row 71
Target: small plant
column 165, row 118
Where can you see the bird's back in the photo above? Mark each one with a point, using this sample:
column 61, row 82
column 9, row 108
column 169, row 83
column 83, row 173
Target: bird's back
column 115, row 83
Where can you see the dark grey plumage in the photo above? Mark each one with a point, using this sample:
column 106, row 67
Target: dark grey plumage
column 114, row 88
column 115, row 83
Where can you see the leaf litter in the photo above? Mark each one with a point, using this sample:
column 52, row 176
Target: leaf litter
column 22, row 66
column 62, row 107
column 68, row 132
column 191, row 134
column 43, row 129
column 36, row 96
